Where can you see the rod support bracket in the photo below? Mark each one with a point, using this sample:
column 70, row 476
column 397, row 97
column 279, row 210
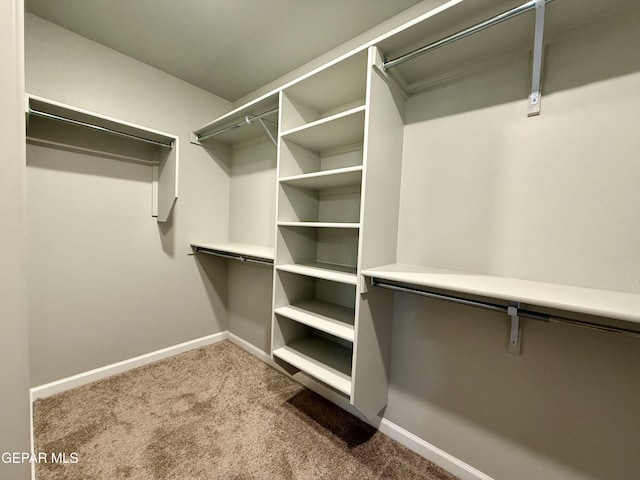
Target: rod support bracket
column 516, row 331
column 536, row 70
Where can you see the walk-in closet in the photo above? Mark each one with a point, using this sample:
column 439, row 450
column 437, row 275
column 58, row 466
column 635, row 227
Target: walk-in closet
column 420, row 240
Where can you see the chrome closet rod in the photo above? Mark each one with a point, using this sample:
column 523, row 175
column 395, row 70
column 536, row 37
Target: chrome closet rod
column 542, row 317
column 233, row 256
column 248, row 120
column 514, row 12
column 37, row 113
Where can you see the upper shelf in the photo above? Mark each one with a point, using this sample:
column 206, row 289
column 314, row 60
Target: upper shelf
column 512, row 37
column 44, row 107
column 590, row 301
column 237, row 126
column 160, row 149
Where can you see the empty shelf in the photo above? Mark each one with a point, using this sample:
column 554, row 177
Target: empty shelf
column 590, row 301
column 345, row 128
column 342, row 177
column 241, row 250
column 319, row 224
column 324, row 271
column 55, row 110
column 323, row 359
column 333, row 319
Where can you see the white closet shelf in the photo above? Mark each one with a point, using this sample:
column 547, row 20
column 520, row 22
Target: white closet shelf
column 239, row 249
column 327, row 317
column 590, row 301
column 319, row 224
column 323, row 359
column 165, row 161
column 344, row 128
column 341, row 177
column 233, row 125
column 35, row 104
column 323, row 271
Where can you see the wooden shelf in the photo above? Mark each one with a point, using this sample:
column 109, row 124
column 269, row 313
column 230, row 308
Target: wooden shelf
column 323, row 359
column 333, row 319
column 324, row 271
column 344, row 128
column 590, row 301
column 319, row 224
column 342, row 177
column 239, row 249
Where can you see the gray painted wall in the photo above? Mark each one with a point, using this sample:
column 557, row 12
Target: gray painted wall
column 106, row 281
column 552, row 198
column 14, row 352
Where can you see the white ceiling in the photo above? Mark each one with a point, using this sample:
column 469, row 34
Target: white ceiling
column 228, row 47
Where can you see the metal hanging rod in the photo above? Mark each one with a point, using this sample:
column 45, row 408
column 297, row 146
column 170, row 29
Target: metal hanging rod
column 234, row 256
column 38, row 113
column 543, row 317
column 248, row 120
column 526, row 7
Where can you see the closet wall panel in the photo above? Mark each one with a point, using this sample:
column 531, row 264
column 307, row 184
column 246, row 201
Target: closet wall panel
column 14, row 345
column 106, row 281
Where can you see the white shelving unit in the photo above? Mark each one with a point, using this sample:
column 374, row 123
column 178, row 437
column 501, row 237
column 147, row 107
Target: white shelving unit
column 57, row 125
column 319, row 204
column 318, row 327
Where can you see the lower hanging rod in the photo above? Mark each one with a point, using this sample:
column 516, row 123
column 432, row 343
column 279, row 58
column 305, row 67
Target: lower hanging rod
column 248, row 120
column 514, row 12
column 38, row 113
column 234, row 256
column 543, row 317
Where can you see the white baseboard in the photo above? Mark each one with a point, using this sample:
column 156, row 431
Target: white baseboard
column 431, row 452
column 74, row 381
column 402, row 436
column 249, row 347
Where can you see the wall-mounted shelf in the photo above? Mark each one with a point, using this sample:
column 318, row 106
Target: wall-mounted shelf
column 589, row 301
column 162, row 153
column 242, row 124
column 236, row 251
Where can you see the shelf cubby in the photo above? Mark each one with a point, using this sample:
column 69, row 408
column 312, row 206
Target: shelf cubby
column 323, row 305
column 329, row 205
column 325, row 247
column 324, row 357
column 344, row 128
column 296, row 160
column 334, row 89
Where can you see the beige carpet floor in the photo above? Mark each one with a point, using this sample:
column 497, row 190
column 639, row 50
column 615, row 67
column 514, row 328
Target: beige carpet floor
column 213, row 413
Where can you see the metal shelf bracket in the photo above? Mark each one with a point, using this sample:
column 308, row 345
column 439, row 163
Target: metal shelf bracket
column 516, row 331
column 538, row 47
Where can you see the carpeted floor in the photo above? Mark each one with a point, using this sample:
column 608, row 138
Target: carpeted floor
column 213, row 413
